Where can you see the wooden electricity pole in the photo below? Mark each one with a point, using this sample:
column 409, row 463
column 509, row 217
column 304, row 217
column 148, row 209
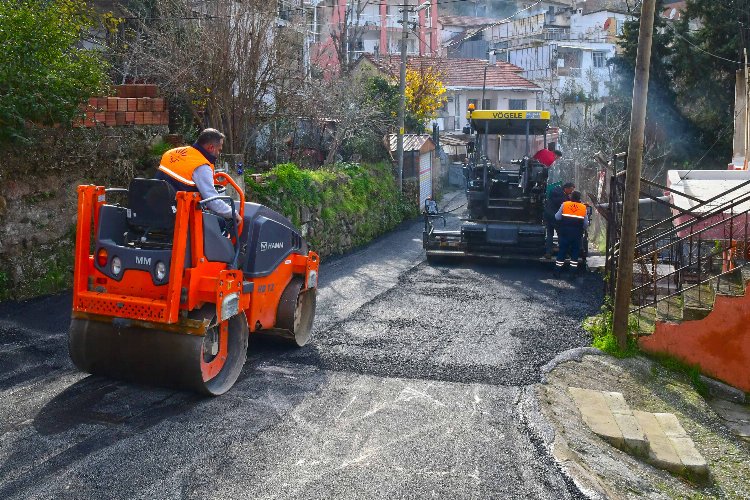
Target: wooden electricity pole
column 402, row 98
column 633, row 176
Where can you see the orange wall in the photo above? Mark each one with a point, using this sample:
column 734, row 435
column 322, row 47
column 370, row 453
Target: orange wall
column 719, row 343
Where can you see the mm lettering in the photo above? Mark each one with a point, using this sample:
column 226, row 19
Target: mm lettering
column 143, row 261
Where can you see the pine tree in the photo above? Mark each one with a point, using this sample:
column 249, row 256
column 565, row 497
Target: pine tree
column 665, row 119
column 708, row 47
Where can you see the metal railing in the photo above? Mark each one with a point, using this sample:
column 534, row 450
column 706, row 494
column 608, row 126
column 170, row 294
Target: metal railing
column 681, row 261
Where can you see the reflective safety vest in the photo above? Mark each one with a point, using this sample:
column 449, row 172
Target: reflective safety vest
column 180, row 163
column 573, row 214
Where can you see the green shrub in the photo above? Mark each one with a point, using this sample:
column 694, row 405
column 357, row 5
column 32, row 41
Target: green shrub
column 44, row 73
column 601, row 329
column 363, row 197
column 159, row 148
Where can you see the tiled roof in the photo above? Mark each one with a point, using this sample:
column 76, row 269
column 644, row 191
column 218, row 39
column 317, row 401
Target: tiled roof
column 460, row 73
column 591, row 6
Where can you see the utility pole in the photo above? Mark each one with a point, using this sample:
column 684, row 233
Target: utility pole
column 402, row 97
column 633, row 175
column 402, row 91
column 747, row 113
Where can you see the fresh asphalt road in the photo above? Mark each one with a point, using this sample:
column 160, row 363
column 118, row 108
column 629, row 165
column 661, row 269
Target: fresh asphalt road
column 416, row 385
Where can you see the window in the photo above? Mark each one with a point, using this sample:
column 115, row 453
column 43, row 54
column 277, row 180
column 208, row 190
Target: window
column 457, row 123
column 599, row 58
column 475, row 102
column 516, row 103
column 487, row 104
column 619, row 26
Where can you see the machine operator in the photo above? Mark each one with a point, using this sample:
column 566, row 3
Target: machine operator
column 547, row 157
column 191, row 168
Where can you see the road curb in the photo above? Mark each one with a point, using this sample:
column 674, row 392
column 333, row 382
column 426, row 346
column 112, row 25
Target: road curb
column 576, row 354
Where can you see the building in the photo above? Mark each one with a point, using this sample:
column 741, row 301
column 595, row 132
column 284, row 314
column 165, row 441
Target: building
column 347, row 29
column 565, row 48
column 421, row 164
column 465, row 37
column 504, row 87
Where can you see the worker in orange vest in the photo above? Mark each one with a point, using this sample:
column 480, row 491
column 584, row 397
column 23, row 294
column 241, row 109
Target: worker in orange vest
column 574, row 219
column 191, row 168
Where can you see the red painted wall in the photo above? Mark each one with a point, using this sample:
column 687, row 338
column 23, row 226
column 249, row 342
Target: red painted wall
column 719, row 343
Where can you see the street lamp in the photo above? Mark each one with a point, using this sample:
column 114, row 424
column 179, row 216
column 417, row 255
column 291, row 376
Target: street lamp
column 491, row 61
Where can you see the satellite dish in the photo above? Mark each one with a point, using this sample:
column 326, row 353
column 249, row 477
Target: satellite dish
column 672, row 13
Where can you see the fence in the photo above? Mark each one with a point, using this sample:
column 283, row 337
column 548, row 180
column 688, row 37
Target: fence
column 682, row 260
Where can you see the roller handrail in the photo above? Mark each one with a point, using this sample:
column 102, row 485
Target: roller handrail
column 222, row 178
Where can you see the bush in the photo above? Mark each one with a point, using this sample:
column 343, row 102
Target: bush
column 353, row 201
column 44, row 74
column 601, row 328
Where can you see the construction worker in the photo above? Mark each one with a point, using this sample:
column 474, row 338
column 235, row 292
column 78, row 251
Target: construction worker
column 547, row 157
column 191, row 168
column 574, row 219
column 556, row 197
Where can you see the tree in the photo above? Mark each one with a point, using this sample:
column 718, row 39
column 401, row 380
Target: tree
column 347, row 101
column 227, row 61
column 384, row 95
column 44, row 72
column 708, row 47
column 347, row 34
column 691, row 88
column 425, row 93
column 666, row 120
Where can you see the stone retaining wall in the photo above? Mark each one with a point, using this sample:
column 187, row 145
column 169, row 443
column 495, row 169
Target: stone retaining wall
column 38, row 198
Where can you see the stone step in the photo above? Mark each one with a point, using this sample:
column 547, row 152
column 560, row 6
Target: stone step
column 656, row 437
column 610, row 417
column 670, row 447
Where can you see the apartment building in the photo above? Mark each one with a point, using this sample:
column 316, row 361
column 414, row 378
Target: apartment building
column 350, row 28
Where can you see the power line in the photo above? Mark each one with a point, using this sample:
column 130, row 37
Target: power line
column 492, row 25
column 704, row 51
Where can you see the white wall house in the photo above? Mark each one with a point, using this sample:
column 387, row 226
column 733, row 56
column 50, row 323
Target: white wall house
column 464, row 78
column 565, row 49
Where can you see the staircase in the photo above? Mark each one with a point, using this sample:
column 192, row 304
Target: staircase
column 657, row 438
column 689, row 298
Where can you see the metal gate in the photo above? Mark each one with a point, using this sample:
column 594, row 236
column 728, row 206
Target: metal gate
column 425, row 177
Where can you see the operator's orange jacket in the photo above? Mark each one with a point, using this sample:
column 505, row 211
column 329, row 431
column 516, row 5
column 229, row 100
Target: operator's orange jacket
column 180, row 163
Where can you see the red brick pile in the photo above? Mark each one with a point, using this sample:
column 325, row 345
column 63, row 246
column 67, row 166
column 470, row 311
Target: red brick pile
column 135, row 104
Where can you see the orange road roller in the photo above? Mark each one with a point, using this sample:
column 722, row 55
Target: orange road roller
column 167, row 292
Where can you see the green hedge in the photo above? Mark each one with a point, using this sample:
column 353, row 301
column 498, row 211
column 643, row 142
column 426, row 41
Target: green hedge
column 342, row 206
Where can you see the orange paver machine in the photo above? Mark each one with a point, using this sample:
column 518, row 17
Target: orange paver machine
column 166, row 292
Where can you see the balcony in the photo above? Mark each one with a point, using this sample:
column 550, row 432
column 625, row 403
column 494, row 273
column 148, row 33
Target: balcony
column 374, row 21
column 570, row 72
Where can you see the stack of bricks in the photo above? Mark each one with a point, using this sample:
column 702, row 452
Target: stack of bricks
column 135, row 104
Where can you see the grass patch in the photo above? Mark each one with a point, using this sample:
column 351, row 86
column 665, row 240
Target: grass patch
column 691, row 372
column 600, row 327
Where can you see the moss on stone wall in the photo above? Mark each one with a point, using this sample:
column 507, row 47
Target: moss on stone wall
column 38, row 198
column 337, row 208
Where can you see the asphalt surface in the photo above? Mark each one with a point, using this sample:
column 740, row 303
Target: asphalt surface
column 416, row 385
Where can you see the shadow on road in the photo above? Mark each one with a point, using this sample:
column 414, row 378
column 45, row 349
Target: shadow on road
column 95, row 400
